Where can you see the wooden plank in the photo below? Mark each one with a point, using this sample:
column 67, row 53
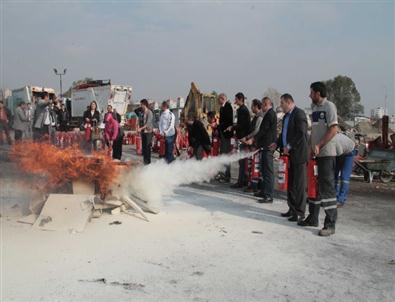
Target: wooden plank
column 133, row 205
column 65, row 212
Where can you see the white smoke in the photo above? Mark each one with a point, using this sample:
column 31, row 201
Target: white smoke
column 157, row 180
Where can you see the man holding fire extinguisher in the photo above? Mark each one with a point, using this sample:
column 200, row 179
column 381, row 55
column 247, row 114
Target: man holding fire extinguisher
column 323, row 147
column 293, row 143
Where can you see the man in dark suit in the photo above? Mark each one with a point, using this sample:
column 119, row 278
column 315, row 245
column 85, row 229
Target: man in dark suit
column 241, row 128
column 225, row 121
column 266, row 136
column 293, row 142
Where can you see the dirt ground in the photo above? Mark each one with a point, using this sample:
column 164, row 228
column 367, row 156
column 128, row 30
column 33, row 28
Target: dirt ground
column 209, row 243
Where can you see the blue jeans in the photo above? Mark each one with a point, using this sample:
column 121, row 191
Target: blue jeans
column 343, row 171
column 169, row 148
column 267, row 173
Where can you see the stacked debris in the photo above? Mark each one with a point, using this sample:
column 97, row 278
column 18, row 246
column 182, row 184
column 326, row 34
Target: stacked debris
column 74, row 187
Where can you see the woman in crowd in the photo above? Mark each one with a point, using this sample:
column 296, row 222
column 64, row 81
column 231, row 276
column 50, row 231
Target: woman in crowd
column 113, row 137
column 91, row 122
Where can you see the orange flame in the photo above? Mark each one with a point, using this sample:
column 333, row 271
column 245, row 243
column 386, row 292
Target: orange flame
column 60, row 166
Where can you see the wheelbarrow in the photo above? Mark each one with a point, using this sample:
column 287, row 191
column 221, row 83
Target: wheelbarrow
column 372, row 167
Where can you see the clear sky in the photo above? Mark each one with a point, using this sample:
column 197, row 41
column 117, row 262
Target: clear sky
column 228, row 46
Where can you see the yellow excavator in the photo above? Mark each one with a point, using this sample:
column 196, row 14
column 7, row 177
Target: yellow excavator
column 199, row 104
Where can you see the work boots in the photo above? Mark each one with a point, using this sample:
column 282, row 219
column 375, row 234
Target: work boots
column 325, row 232
column 312, row 218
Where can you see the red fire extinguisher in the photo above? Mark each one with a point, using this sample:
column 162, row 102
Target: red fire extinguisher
column 162, row 146
column 139, row 147
column 215, row 147
column 281, row 172
column 312, row 179
column 88, row 132
column 255, row 171
column 131, row 138
column 255, row 175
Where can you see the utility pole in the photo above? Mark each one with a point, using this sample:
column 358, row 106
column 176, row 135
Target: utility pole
column 60, row 74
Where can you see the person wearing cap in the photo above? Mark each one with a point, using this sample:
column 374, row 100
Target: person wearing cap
column 21, row 121
column 241, row 129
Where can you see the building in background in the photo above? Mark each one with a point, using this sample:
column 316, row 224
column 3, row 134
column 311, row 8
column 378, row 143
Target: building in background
column 378, row 113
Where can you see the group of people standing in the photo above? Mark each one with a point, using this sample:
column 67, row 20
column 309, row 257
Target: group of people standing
column 167, row 130
column 112, row 135
column 34, row 120
column 332, row 151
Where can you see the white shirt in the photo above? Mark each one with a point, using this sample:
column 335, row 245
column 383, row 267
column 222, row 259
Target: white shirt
column 166, row 123
column 47, row 120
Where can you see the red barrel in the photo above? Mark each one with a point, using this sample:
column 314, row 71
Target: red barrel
column 312, row 179
column 215, row 147
column 139, row 147
column 281, row 173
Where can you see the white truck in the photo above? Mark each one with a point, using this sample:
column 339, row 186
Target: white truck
column 28, row 94
column 101, row 91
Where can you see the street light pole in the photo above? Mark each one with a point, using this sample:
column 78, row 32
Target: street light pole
column 60, row 74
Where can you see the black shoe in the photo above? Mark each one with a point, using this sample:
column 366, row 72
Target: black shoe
column 258, row 194
column 236, row 186
column 287, row 214
column 308, row 222
column 293, row 218
column 265, row 200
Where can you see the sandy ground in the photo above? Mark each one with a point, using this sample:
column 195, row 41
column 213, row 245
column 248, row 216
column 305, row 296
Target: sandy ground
column 209, row 243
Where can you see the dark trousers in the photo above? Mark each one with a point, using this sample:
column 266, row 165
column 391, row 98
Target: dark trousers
column 146, row 141
column 18, row 134
column 297, row 178
column 117, row 148
column 63, row 127
column 326, row 192
column 225, row 147
column 243, row 172
column 5, row 128
column 40, row 134
column 169, row 148
column 198, row 152
column 266, row 169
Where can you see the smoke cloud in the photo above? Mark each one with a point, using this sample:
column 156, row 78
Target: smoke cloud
column 157, row 180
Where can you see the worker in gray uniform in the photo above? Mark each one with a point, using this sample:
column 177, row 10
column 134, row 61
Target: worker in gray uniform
column 323, row 147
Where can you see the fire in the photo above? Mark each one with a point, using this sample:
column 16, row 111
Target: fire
column 59, row 166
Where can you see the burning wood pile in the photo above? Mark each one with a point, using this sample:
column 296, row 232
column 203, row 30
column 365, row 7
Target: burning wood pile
column 57, row 171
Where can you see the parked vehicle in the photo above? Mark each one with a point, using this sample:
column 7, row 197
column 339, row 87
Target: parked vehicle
column 28, row 94
column 101, row 91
